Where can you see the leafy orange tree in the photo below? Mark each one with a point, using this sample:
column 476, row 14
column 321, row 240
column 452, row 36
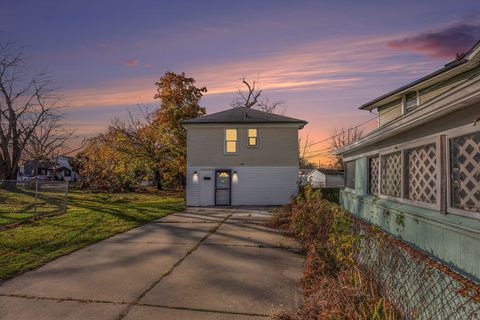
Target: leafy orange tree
column 145, row 144
column 179, row 101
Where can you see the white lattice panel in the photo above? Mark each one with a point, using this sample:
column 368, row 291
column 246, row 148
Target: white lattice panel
column 391, row 183
column 465, row 171
column 422, row 174
column 373, row 175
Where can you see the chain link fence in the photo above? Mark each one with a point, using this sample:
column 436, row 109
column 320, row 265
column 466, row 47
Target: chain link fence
column 21, row 201
column 421, row 287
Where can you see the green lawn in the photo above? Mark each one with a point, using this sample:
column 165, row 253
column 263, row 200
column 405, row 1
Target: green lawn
column 90, row 217
column 20, row 204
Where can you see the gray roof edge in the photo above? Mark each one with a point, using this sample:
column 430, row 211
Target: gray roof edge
column 210, row 118
column 449, row 66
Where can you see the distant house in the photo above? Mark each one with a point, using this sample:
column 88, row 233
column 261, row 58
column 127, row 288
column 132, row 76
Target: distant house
column 321, row 178
column 58, row 169
column 421, row 166
column 242, row 156
column 42, row 169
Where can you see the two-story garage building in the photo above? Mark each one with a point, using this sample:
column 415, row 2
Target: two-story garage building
column 242, row 156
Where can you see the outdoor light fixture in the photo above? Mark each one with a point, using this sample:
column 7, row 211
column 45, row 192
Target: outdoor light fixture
column 195, row 177
column 235, row 177
column 195, row 174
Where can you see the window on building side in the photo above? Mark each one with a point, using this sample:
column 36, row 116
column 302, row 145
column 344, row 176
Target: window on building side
column 252, row 137
column 411, row 101
column 465, row 172
column 373, row 169
column 422, row 174
column 230, row 140
column 350, row 174
column 391, row 174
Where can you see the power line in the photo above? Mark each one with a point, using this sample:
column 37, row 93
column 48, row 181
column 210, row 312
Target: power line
column 328, row 149
column 340, row 133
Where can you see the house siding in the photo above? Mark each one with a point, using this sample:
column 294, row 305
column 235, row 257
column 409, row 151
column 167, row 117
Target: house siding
column 252, row 186
column 460, row 118
column 451, row 238
column 277, row 147
column 390, row 113
column 393, row 110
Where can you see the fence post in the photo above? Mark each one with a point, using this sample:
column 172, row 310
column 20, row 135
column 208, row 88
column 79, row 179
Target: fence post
column 65, row 199
column 35, row 200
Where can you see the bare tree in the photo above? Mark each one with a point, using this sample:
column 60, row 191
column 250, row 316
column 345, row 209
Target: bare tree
column 303, row 150
column 48, row 138
column 251, row 99
column 26, row 102
column 342, row 137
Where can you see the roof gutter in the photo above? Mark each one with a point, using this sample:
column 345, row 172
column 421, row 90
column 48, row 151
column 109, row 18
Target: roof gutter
column 449, row 67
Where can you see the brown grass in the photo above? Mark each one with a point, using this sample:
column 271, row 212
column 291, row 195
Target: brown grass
column 334, row 286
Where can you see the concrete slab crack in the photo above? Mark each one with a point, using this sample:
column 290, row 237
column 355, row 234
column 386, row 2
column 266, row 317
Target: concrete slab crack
column 125, row 312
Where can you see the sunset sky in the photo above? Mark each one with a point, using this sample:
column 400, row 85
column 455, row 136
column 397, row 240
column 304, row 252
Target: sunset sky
column 323, row 58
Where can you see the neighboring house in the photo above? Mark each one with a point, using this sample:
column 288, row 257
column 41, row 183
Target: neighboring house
column 58, row 169
column 36, row 169
column 63, row 169
column 418, row 174
column 321, row 178
column 242, row 156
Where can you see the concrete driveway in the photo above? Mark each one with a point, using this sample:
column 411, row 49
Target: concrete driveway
column 213, row 263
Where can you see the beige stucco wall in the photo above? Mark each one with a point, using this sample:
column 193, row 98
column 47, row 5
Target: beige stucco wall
column 277, row 146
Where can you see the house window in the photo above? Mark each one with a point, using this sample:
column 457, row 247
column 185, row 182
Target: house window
column 373, row 170
column 411, row 101
column 230, row 140
column 391, row 174
column 422, row 174
column 464, row 172
column 350, row 174
column 252, row 137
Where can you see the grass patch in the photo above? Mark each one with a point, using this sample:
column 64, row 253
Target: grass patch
column 90, row 217
column 19, row 204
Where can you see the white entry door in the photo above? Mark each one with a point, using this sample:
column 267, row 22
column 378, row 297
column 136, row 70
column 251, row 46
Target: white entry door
column 207, row 187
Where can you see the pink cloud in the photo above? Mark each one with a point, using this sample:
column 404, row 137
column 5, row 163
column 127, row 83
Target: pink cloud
column 444, row 43
column 132, row 62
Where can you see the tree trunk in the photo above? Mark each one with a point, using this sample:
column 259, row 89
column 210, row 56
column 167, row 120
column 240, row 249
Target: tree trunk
column 158, row 179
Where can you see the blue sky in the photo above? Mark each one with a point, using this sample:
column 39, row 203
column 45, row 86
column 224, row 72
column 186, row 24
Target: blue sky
column 322, row 58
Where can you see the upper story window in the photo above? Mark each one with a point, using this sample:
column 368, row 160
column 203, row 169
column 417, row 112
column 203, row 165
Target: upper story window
column 411, row 101
column 230, row 140
column 252, row 137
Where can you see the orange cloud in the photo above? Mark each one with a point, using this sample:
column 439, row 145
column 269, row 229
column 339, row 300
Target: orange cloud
column 317, row 66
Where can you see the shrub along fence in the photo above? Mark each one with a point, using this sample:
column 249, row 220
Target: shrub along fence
column 355, row 271
column 21, row 201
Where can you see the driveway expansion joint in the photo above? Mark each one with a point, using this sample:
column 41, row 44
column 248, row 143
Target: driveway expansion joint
column 131, row 304
column 125, row 312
